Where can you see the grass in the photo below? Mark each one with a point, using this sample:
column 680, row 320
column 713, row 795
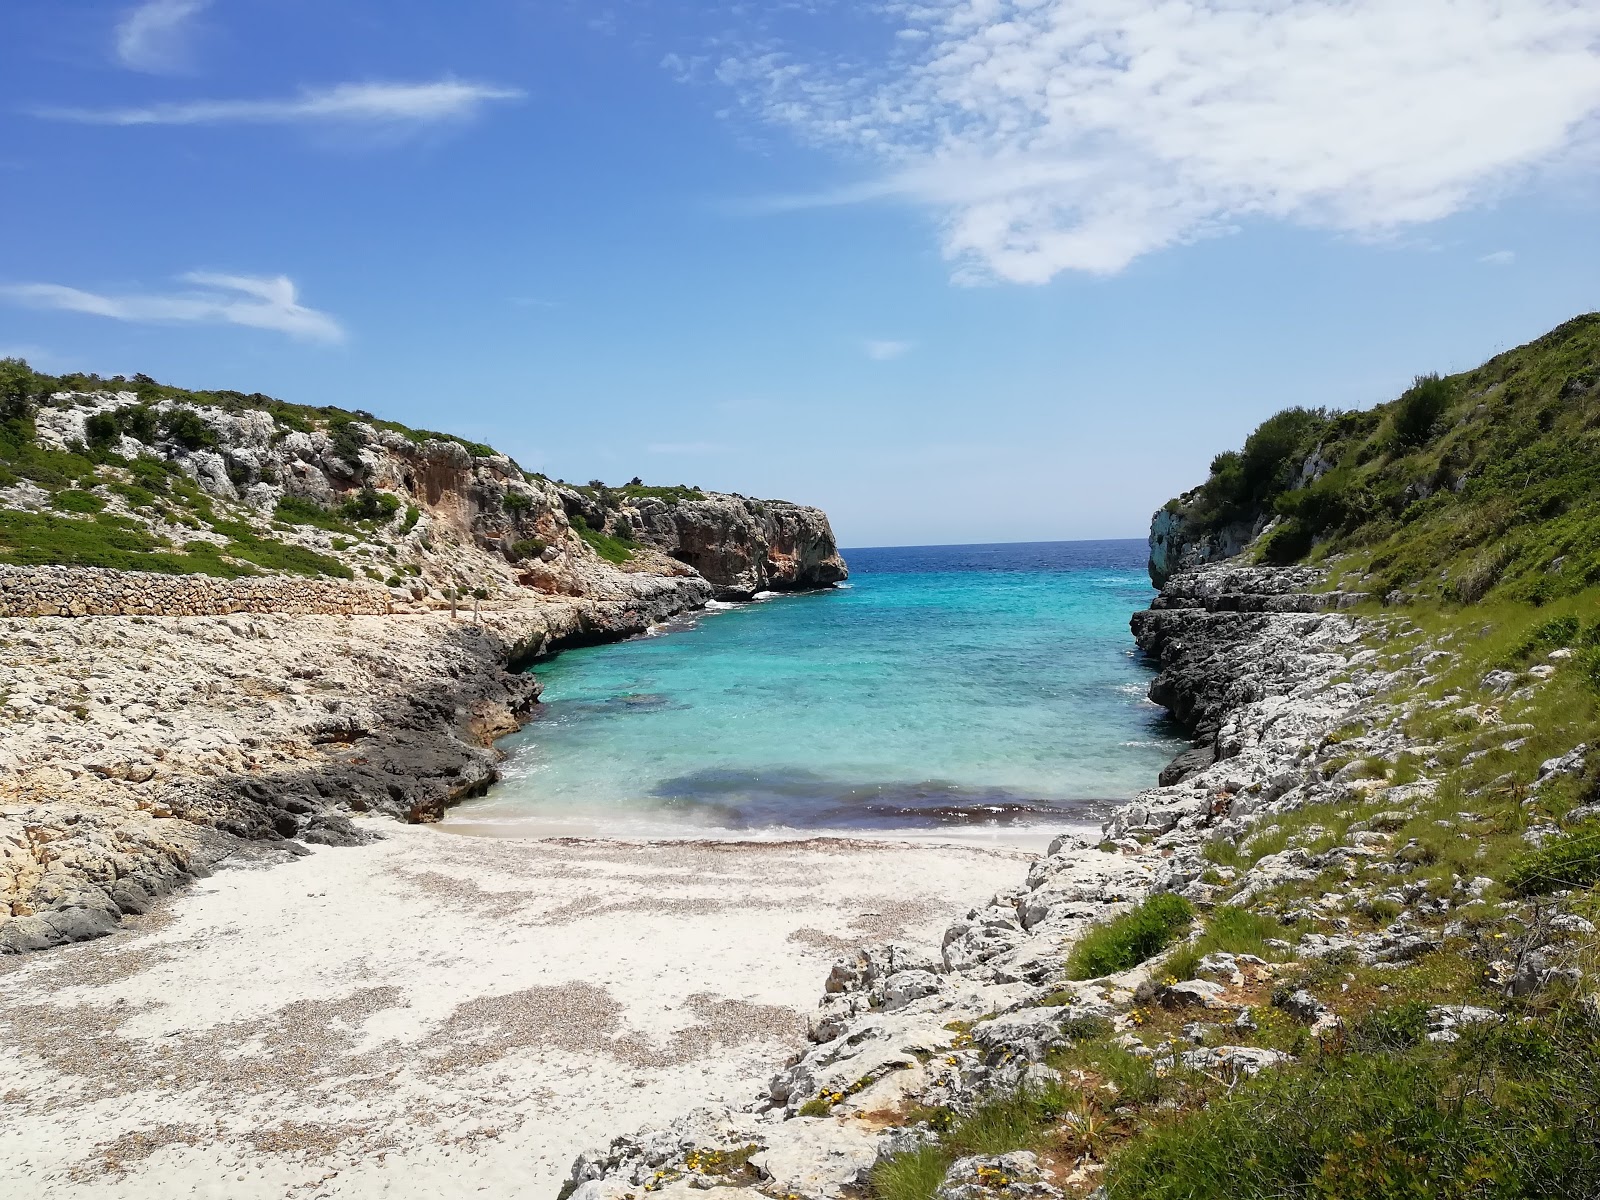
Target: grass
column 914, row 1175
column 296, row 510
column 1229, row 929
column 1509, row 1112
column 1128, row 940
column 613, row 549
column 1569, row 861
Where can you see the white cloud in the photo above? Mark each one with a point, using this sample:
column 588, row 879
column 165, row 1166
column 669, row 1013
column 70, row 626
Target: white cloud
column 1056, row 135
column 884, row 351
column 258, row 302
column 155, row 35
column 1500, row 258
column 346, row 103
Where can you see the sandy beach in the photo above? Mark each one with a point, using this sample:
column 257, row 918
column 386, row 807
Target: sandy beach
column 433, row 1013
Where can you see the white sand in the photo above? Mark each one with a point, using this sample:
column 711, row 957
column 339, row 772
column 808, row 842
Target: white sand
column 439, row 1015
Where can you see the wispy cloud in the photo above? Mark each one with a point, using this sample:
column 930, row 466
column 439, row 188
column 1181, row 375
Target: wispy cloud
column 258, row 302
column 1078, row 135
column 393, row 104
column 884, row 351
column 1500, row 258
column 154, row 36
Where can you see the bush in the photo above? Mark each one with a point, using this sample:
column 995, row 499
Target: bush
column 413, row 515
column 1569, row 861
column 296, row 510
column 1418, row 410
column 1128, row 940
column 77, row 502
column 525, row 549
column 188, row 429
column 369, row 504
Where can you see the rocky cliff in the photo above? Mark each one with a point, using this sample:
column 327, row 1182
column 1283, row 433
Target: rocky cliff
column 227, row 486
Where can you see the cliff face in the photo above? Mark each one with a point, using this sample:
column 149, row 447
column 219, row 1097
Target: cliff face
column 1178, row 544
column 744, row 546
column 130, row 481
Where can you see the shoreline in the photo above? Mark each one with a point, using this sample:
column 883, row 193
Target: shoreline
column 377, row 1020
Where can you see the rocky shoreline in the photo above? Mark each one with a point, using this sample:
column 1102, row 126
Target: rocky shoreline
column 1260, row 672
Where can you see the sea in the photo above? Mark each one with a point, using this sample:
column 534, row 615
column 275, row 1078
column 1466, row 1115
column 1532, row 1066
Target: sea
column 942, row 688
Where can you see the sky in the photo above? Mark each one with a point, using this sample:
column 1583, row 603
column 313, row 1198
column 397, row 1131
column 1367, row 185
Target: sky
column 954, row 270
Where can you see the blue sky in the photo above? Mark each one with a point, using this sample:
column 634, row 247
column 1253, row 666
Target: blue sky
column 960, row 270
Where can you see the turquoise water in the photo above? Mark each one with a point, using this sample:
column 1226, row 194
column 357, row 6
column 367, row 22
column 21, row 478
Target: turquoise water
column 943, row 685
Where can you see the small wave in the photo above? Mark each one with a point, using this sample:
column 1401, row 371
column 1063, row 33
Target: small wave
column 721, row 605
column 766, row 595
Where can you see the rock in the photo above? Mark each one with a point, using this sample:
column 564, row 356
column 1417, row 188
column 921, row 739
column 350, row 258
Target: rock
column 1446, row 1020
column 1191, row 993
column 1015, row 1176
column 1233, row 1062
column 906, row 986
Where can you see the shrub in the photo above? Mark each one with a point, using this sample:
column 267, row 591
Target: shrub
column 525, row 549
column 413, row 515
column 1569, row 861
column 1418, row 410
column 77, row 502
column 297, row 510
column 188, row 428
column 1128, row 940
column 369, row 504
column 348, row 441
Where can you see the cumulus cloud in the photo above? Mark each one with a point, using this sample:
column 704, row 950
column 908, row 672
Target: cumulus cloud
column 155, row 35
column 1078, row 135
column 390, row 104
column 884, row 351
column 258, row 302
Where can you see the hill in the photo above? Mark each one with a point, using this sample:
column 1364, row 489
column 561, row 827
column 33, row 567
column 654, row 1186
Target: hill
column 138, row 476
column 1466, row 486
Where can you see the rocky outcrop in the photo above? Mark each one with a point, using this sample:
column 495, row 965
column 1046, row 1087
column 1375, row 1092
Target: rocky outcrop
column 744, row 546
column 428, row 518
column 1177, row 545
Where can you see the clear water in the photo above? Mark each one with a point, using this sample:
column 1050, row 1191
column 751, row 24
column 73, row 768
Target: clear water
column 943, row 685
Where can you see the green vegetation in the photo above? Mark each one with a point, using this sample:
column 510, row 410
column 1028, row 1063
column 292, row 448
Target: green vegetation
column 1482, row 483
column 1128, row 940
column 1509, row 1112
column 525, row 549
column 612, row 549
column 1571, row 860
column 369, row 504
column 74, row 501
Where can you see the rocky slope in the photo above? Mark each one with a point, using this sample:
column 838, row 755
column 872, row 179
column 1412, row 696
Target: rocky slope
column 150, row 482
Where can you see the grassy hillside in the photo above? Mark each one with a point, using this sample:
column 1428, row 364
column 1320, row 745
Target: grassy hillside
column 1486, row 482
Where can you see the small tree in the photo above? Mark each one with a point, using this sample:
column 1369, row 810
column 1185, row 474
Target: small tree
column 1418, row 411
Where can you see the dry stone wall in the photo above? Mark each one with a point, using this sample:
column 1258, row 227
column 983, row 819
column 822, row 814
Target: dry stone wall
column 95, row 592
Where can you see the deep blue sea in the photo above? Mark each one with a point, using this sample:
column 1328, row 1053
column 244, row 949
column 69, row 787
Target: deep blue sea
column 944, row 685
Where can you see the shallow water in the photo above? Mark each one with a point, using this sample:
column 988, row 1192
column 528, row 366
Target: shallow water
column 944, row 686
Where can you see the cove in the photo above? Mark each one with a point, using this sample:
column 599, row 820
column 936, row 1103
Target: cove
column 943, row 686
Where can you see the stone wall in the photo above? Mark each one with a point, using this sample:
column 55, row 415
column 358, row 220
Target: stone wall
column 94, row 592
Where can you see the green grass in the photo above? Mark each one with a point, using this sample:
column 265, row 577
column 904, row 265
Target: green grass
column 612, row 549
column 1569, row 861
column 296, row 510
column 1128, row 940
column 1509, row 1112
column 915, row 1175
column 75, row 501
